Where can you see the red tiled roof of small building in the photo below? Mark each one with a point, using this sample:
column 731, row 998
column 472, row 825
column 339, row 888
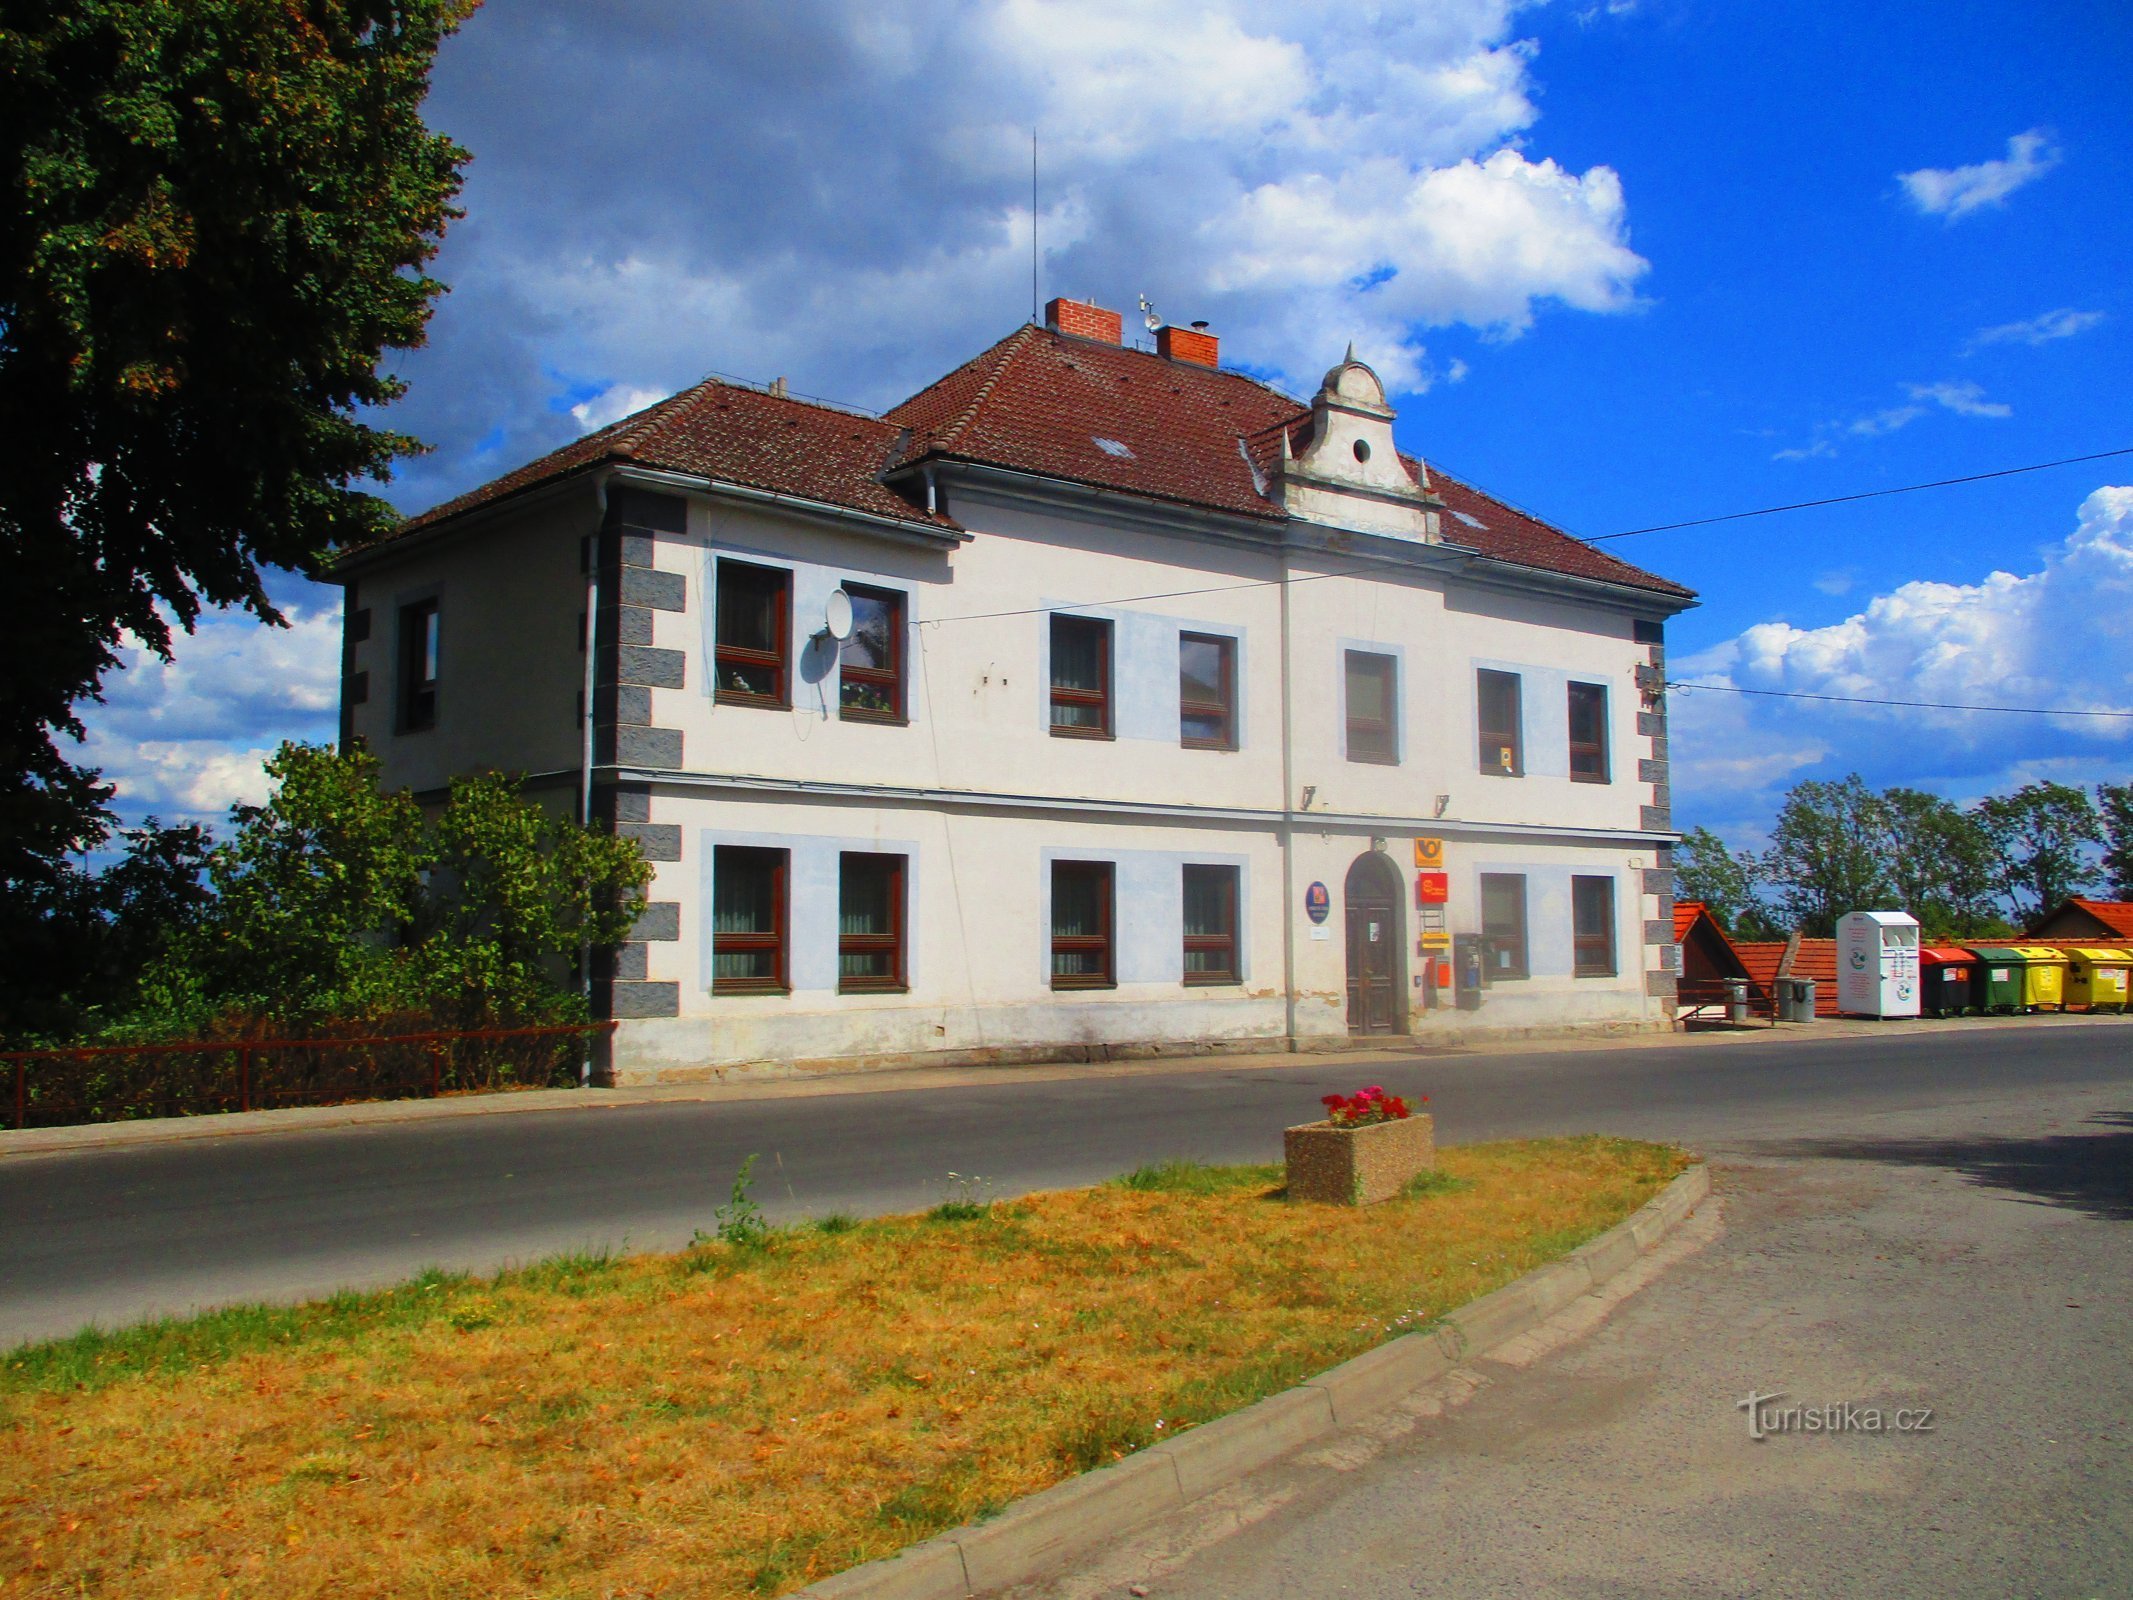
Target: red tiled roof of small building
column 1685, row 914
column 1037, row 402
column 2117, row 915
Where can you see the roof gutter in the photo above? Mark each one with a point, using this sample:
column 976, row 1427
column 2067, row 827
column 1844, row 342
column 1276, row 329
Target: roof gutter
column 612, row 470
column 799, row 505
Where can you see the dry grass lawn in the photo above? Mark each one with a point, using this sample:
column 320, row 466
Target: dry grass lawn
column 731, row 1420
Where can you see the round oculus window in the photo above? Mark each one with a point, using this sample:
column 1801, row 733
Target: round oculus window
column 1362, row 449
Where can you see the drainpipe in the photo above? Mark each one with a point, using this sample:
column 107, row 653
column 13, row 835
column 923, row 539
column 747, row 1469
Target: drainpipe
column 1288, row 819
column 586, row 752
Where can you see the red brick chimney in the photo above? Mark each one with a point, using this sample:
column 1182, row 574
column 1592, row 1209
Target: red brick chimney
column 1194, row 344
column 1084, row 321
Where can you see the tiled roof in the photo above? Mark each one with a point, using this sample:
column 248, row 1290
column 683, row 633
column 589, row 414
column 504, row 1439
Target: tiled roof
column 1040, row 401
column 1506, row 533
column 1817, row 959
column 1037, row 402
column 1043, row 402
column 1685, row 914
column 734, row 434
column 1762, row 958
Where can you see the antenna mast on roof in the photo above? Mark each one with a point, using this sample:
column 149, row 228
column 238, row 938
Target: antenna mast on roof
column 1036, row 288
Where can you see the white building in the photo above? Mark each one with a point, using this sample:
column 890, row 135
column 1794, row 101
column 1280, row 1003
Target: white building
column 1174, row 714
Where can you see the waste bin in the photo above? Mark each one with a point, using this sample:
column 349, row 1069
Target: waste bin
column 1947, row 980
column 2001, row 976
column 1736, row 1000
column 2099, row 979
column 1796, row 999
column 2044, row 977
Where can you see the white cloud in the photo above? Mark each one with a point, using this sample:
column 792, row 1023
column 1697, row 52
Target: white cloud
column 612, row 404
column 1477, row 242
column 840, row 192
column 2058, row 638
column 1964, row 399
column 1953, row 192
column 184, row 739
column 2064, row 323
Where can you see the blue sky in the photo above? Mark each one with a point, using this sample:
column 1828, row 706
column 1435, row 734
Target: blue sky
column 1624, row 261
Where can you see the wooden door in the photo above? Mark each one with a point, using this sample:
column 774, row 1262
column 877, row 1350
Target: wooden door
column 1373, row 928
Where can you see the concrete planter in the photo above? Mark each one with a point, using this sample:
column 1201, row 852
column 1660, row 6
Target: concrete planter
column 1357, row 1166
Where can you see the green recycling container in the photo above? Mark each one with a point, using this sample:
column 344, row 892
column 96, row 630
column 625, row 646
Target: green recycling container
column 2002, row 977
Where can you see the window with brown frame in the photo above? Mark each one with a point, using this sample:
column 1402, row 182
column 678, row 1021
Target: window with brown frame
column 753, row 653
column 1081, row 925
column 1588, row 732
column 1207, row 691
column 419, row 656
column 870, row 664
column 748, row 926
column 1373, row 708
column 870, row 923
column 1210, row 925
column 1592, row 927
column 1081, row 677
column 1503, row 924
column 1497, row 696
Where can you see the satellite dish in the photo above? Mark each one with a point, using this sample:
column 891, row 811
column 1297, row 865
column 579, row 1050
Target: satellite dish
column 837, row 616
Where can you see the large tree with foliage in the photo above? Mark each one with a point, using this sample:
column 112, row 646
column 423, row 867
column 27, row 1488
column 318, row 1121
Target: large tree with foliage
column 216, row 220
column 1939, row 861
column 1828, row 853
column 2114, row 801
column 1726, row 881
column 96, row 932
column 2040, row 834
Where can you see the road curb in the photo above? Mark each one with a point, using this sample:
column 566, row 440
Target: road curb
column 1083, row 1514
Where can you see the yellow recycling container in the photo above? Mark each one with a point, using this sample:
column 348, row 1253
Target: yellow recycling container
column 2099, row 979
column 2043, row 977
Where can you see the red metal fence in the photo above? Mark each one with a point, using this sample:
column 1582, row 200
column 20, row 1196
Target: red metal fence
column 112, row 1083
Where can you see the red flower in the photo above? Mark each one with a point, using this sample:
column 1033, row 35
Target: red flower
column 1365, row 1106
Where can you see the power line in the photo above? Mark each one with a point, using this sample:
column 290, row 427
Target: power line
column 1913, row 705
column 1870, row 494
column 1630, row 533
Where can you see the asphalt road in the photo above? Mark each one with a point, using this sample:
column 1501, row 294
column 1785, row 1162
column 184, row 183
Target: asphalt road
column 1973, row 1261
column 113, row 1236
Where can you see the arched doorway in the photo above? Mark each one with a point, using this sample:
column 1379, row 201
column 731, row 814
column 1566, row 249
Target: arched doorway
column 1377, row 947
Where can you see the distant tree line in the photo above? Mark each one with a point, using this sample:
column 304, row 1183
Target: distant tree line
column 1964, row 872
column 334, row 905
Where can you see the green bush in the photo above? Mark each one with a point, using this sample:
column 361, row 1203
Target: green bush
column 337, row 905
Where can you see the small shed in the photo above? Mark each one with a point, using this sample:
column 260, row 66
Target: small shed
column 1709, row 960
column 2085, row 920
